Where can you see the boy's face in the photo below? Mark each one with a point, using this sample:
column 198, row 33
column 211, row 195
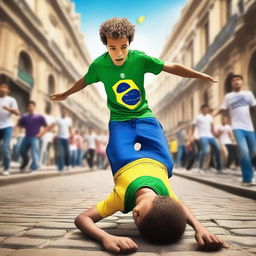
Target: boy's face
column 205, row 110
column 118, row 49
column 236, row 83
column 31, row 108
column 143, row 206
column 4, row 89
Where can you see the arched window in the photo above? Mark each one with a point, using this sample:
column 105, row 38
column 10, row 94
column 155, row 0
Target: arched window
column 206, row 98
column 51, row 84
column 25, row 69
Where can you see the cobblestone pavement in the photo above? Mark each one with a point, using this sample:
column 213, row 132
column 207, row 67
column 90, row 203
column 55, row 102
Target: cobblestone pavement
column 36, row 218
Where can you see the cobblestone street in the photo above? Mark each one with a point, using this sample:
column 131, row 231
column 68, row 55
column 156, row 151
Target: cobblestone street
column 36, row 218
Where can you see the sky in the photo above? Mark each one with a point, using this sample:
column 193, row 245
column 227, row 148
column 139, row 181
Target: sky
column 150, row 36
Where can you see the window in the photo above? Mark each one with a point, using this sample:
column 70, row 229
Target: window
column 25, row 69
column 51, row 85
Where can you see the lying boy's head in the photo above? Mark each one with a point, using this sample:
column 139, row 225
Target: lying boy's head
column 160, row 219
column 117, row 34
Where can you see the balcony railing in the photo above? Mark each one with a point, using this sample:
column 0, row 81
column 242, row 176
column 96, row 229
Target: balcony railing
column 26, row 77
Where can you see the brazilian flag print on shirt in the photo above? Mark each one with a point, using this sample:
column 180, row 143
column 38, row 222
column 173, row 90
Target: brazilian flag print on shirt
column 124, row 84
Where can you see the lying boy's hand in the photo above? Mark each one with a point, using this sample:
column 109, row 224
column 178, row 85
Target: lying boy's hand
column 119, row 244
column 208, row 241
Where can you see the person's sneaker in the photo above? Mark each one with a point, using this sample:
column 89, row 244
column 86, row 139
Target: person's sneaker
column 6, row 172
column 200, row 171
column 249, row 184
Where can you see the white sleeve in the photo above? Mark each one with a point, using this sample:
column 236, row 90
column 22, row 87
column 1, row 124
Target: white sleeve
column 14, row 104
column 70, row 122
column 195, row 121
column 224, row 104
column 252, row 99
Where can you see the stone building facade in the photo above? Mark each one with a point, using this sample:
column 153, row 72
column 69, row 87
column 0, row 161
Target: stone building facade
column 42, row 51
column 217, row 37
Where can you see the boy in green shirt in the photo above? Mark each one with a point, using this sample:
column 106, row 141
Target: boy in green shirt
column 140, row 176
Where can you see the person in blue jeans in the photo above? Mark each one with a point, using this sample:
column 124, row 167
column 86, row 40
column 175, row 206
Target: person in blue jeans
column 239, row 103
column 204, row 124
column 32, row 123
column 183, row 153
column 8, row 106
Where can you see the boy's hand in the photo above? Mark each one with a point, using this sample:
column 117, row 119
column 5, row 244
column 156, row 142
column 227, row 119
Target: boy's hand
column 119, row 244
column 211, row 79
column 58, row 96
column 208, row 241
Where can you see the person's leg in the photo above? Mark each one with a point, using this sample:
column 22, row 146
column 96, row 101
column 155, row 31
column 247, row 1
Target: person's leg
column 120, row 149
column 244, row 155
column 60, row 154
column 203, row 151
column 7, row 135
column 179, row 156
column 35, row 144
column 216, row 151
column 24, row 148
column 66, row 152
column 229, row 155
column 153, row 142
column 185, row 155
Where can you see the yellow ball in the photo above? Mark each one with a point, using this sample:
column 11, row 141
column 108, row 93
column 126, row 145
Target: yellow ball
column 141, row 19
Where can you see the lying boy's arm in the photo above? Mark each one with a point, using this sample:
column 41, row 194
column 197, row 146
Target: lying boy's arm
column 204, row 238
column 86, row 223
column 180, row 70
column 79, row 85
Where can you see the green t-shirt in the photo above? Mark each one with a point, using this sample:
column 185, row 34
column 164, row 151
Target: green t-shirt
column 124, row 84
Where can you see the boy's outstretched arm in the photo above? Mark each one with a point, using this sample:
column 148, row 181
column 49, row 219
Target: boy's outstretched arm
column 204, row 238
column 180, row 70
column 117, row 244
column 79, row 85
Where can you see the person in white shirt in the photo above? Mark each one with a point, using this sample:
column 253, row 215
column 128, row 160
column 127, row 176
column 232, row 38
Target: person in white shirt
column 238, row 103
column 225, row 136
column 204, row 124
column 8, row 106
column 47, row 138
column 64, row 130
column 91, row 146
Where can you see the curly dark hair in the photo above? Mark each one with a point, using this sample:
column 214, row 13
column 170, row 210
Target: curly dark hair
column 117, row 28
column 165, row 222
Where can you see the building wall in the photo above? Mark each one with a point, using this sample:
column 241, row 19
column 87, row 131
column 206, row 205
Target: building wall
column 47, row 32
column 210, row 39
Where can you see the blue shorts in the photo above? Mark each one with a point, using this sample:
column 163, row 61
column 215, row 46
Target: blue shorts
column 146, row 131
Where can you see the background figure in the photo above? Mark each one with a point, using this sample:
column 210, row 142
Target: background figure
column 47, row 138
column 91, row 147
column 204, row 123
column 79, row 148
column 99, row 151
column 173, row 147
column 182, row 154
column 8, row 106
column 193, row 149
column 20, row 134
column 225, row 137
column 32, row 123
column 64, row 124
column 238, row 103
column 73, row 151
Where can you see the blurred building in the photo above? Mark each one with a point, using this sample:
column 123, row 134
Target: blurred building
column 217, row 37
column 42, row 51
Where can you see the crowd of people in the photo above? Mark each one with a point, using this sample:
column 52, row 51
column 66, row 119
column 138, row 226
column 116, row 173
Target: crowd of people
column 37, row 140
column 231, row 144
